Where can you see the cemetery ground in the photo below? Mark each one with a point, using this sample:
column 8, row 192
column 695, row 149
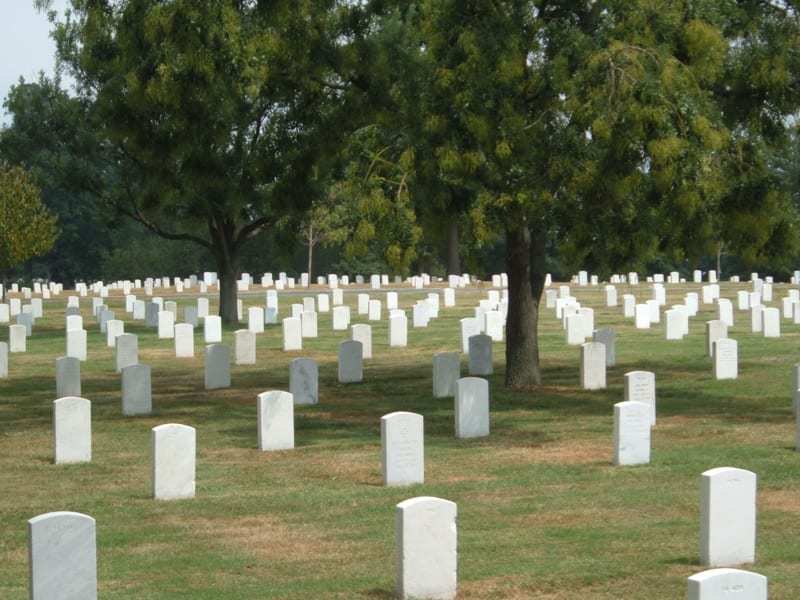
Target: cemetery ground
column 542, row 512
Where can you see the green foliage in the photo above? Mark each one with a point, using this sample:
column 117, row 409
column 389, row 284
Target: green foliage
column 608, row 128
column 26, row 227
column 372, row 203
column 220, row 112
column 53, row 138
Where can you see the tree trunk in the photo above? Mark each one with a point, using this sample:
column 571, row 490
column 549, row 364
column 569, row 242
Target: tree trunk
column 453, row 259
column 525, row 264
column 226, row 252
column 228, row 294
column 719, row 261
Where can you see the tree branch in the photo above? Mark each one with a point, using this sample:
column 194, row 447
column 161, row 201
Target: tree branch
column 251, row 229
column 137, row 216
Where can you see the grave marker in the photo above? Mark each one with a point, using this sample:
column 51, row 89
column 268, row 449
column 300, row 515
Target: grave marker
column 403, row 449
column 174, row 449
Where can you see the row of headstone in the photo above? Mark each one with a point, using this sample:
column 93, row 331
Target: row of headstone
column 62, row 551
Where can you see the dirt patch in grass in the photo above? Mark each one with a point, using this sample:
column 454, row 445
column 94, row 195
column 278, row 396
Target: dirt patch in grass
column 268, row 538
column 357, row 467
column 782, row 500
column 497, row 587
column 572, row 452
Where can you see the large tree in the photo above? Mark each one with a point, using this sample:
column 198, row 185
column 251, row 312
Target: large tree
column 609, row 130
column 223, row 112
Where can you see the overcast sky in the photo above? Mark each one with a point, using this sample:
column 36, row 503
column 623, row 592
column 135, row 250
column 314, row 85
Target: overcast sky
column 25, row 45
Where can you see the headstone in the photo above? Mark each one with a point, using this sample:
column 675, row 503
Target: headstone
column 341, row 318
column 632, row 421
column 640, row 386
column 136, row 390
column 62, row 554
column 351, row 362
column 727, row 517
column 292, row 335
column 391, row 300
column 68, row 376
column 255, row 319
column 114, row 329
column 715, row 330
column 217, row 366
column 174, row 454
column 469, row 327
column 190, row 316
column 472, row 407
column 184, row 340
column 151, row 314
column 245, row 347
column 427, row 559
column 398, row 331
column 139, row 310
column 304, row 381
column 771, row 322
column 363, row 334
column 172, row 306
column 611, row 296
column 692, row 303
column 212, row 329
column 74, row 322
column 72, row 430
column 3, row 360
column 363, row 304
column 275, row 421
column 480, row 355
column 756, row 318
column 446, row 372
column 674, row 324
column 593, row 366
column 420, row 314
column 654, row 307
column 725, row 308
column 642, row 316
column 629, row 305
column 308, row 324
column 727, row 584
column 449, row 297
column 126, row 351
column 374, row 310
column 26, row 320
column 166, row 325
column 726, row 359
column 17, row 338
column 494, row 325
column 403, row 449
column 576, row 329
column 743, row 300
column 608, row 338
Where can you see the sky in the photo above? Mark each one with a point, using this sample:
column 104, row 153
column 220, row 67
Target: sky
column 25, row 45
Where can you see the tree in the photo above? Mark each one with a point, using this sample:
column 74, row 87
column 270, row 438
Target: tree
column 323, row 224
column 221, row 112
column 27, row 229
column 53, row 139
column 602, row 128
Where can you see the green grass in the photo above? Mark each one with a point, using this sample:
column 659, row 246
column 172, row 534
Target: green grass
column 542, row 512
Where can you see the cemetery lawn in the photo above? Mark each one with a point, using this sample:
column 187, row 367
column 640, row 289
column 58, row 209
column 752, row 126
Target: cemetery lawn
column 542, row 513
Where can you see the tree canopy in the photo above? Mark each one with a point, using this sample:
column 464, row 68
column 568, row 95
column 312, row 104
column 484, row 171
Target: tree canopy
column 220, row 111
column 27, row 229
